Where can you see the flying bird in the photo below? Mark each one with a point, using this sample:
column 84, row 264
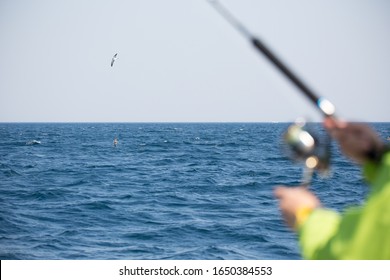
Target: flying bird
column 113, row 59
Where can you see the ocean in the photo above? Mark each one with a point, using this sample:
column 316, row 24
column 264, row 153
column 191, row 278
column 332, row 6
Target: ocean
column 165, row 191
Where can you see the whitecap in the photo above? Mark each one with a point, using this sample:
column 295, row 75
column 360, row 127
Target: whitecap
column 33, row 142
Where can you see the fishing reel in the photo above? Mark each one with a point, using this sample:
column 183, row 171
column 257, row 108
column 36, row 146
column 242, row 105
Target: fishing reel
column 303, row 144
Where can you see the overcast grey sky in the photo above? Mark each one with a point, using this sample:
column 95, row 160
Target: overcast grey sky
column 180, row 61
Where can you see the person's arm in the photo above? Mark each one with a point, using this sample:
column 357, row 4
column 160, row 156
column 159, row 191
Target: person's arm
column 302, row 212
column 316, row 232
column 301, row 209
column 361, row 232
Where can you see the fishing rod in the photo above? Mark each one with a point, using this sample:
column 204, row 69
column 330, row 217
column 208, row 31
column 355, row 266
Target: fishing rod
column 304, row 145
column 324, row 105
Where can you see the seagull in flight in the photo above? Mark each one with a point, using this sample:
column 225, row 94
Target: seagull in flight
column 113, row 59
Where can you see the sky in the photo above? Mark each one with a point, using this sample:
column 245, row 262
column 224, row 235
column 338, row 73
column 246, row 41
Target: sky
column 180, row 61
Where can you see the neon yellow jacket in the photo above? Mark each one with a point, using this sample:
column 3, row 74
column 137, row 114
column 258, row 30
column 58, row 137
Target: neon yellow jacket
column 361, row 232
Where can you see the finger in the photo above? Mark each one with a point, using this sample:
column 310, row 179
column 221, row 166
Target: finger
column 334, row 127
column 280, row 191
column 329, row 123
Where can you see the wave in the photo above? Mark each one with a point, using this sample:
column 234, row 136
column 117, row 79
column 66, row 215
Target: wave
column 33, row 142
column 206, row 193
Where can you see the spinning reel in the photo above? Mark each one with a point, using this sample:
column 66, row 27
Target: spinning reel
column 303, row 144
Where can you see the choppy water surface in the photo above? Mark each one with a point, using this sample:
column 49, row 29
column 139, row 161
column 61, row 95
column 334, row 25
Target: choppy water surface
column 166, row 191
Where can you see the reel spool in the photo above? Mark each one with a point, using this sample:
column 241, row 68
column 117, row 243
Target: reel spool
column 304, row 145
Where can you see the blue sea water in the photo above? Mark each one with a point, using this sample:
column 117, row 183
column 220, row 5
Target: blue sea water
column 166, row 191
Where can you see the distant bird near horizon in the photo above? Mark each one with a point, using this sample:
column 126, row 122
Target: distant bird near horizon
column 113, row 59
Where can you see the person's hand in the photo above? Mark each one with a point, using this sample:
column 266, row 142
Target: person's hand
column 358, row 141
column 293, row 199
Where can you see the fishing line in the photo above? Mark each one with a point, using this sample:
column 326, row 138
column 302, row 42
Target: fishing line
column 324, row 105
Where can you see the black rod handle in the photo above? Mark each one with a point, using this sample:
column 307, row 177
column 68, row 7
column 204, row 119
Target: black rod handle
column 282, row 67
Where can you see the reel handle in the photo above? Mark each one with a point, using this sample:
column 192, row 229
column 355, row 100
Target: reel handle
column 307, row 176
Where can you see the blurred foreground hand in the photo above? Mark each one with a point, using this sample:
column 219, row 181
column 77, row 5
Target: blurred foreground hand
column 294, row 200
